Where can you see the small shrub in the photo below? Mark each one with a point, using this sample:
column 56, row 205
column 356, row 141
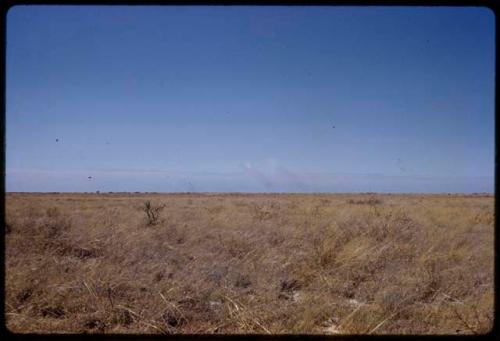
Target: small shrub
column 152, row 212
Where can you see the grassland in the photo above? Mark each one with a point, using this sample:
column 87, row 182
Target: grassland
column 231, row 263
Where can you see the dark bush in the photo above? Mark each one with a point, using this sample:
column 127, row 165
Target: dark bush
column 152, row 212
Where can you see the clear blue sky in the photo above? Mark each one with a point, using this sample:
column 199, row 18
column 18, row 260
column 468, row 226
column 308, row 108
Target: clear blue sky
column 245, row 99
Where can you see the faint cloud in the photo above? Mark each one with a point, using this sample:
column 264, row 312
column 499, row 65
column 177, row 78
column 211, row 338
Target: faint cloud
column 294, row 179
column 274, row 175
column 258, row 175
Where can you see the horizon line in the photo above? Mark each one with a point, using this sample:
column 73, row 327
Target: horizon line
column 299, row 193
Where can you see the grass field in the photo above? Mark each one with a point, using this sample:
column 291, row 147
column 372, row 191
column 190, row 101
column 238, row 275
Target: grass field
column 249, row 263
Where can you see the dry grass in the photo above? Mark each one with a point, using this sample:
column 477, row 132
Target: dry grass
column 226, row 263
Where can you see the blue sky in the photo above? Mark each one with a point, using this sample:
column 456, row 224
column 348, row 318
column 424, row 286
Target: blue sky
column 244, row 99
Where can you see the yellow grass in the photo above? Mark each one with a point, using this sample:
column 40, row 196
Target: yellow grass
column 266, row 264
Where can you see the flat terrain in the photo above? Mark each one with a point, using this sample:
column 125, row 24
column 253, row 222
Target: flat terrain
column 249, row 263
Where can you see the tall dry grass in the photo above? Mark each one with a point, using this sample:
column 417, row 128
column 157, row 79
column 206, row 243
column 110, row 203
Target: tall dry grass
column 267, row 264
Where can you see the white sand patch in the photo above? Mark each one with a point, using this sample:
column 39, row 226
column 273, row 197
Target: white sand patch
column 355, row 303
